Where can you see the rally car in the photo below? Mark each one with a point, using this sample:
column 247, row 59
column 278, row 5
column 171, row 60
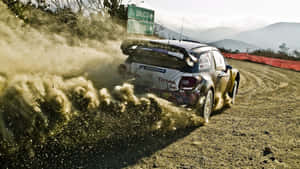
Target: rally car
column 184, row 72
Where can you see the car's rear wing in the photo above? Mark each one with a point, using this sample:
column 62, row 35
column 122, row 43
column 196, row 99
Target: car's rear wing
column 129, row 46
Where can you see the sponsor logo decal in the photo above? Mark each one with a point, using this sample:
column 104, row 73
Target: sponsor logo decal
column 154, row 69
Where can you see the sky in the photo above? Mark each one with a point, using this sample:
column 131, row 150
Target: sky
column 238, row 14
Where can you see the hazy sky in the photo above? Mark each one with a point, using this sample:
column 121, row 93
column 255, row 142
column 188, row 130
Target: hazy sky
column 240, row 14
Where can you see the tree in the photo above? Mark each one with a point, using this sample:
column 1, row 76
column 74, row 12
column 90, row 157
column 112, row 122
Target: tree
column 283, row 48
column 96, row 5
column 237, row 51
column 115, row 9
column 297, row 53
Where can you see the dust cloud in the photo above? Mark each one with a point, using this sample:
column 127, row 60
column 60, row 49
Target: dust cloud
column 70, row 95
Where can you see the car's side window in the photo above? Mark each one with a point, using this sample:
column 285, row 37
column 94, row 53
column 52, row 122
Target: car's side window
column 219, row 60
column 204, row 62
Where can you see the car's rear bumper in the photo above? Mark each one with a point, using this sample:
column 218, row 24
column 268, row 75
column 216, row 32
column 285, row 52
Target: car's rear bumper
column 180, row 97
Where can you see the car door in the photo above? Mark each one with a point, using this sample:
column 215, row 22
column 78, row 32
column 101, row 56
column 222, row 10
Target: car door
column 221, row 76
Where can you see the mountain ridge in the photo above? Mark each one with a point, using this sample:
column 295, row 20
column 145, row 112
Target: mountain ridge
column 234, row 45
column 273, row 35
column 267, row 37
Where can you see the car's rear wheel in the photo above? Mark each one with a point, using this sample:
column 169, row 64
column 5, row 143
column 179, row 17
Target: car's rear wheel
column 206, row 109
column 234, row 92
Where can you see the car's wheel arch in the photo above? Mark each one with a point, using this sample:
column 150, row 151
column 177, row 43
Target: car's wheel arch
column 204, row 93
column 207, row 87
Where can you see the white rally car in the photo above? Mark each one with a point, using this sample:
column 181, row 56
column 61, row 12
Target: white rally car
column 184, row 72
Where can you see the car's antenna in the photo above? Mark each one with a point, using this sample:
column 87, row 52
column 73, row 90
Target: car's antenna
column 181, row 29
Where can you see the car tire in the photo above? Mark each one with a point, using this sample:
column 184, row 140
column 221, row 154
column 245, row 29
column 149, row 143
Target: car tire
column 206, row 109
column 234, row 92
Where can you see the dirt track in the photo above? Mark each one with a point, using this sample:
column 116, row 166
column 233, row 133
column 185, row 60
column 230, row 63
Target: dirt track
column 261, row 131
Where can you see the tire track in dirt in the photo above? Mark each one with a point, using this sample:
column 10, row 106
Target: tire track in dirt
column 266, row 84
column 262, row 130
column 267, row 116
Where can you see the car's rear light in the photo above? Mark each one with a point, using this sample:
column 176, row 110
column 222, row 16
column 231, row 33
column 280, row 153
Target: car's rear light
column 188, row 83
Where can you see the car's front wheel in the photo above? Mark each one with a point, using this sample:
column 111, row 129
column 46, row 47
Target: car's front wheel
column 206, row 110
column 234, row 92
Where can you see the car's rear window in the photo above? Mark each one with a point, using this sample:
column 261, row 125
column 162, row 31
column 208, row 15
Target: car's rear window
column 157, row 57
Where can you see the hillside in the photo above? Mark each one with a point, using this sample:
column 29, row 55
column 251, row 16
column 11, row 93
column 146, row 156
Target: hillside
column 273, row 35
column 234, row 45
column 166, row 33
column 211, row 35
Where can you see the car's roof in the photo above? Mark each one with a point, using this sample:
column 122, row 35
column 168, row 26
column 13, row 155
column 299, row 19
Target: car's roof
column 184, row 46
column 187, row 45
